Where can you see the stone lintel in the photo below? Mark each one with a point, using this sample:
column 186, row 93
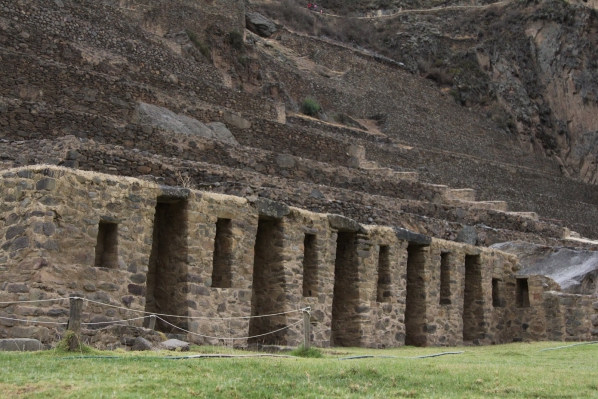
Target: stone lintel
column 344, row 224
column 412, row 237
column 173, row 194
column 271, row 209
column 110, row 219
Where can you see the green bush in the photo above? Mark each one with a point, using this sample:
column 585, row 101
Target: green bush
column 310, row 107
column 311, row 352
column 235, row 39
column 203, row 48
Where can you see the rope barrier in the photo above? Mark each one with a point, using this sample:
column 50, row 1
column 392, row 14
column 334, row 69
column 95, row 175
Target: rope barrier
column 115, row 321
column 161, row 314
column 231, row 338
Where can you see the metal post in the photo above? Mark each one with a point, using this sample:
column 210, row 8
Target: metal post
column 152, row 322
column 74, row 325
column 306, row 327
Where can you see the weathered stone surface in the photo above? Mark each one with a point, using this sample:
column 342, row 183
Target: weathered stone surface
column 259, row 24
column 342, row 223
column 163, row 118
column 46, row 184
column 467, row 235
column 412, row 237
column 20, row 345
column 141, row 344
column 576, row 270
column 173, row 193
column 272, row 209
column 221, row 132
column 174, row 344
column 285, row 161
column 236, row 120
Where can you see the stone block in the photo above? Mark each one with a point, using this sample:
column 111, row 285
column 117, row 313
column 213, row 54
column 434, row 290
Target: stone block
column 412, row 237
column 467, row 235
column 344, row 224
column 236, row 121
column 171, row 194
column 174, row 344
column 20, row 345
column 47, row 183
column 272, row 209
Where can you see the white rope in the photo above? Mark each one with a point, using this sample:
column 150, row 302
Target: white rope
column 32, row 321
column 192, row 317
column 39, row 300
column 115, row 321
column 231, row 338
column 161, row 314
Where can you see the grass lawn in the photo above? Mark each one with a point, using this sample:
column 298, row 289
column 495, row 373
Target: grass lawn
column 514, row 370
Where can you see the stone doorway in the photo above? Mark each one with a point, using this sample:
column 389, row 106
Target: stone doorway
column 415, row 307
column 345, row 319
column 166, row 290
column 269, row 284
column 473, row 300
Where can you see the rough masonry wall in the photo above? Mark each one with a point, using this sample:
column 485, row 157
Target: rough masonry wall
column 49, row 224
column 49, row 227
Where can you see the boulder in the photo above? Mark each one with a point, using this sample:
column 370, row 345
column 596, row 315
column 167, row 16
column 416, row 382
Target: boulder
column 236, row 120
column 141, row 344
column 259, row 24
column 575, row 270
column 175, row 344
column 467, row 235
column 221, row 132
column 20, row 345
column 163, row 118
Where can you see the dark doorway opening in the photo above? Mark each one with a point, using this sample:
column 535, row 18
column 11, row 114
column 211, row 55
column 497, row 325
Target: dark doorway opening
column 384, row 293
column 497, row 299
column 310, row 266
column 415, row 307
column 222, row 274
column 473, row 300
column 269, row 284
column 445, row 278
column 522, row 296
column 166, row 290
column 107, row 246
column 345, row 319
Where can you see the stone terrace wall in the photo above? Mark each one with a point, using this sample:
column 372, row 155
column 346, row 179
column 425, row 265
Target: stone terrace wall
column 361, row 206
column 50, row 220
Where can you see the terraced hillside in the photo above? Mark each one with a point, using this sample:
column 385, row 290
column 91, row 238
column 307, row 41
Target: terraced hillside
column 388, row 148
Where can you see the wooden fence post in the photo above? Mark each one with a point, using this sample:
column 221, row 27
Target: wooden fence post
column 306, row 327
column 74, row 325
column 152, row 322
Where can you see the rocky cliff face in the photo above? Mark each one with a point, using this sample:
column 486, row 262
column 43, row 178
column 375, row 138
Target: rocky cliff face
column 532, row 67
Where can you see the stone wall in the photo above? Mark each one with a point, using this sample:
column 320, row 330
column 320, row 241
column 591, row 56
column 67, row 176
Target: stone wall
column 55, row 222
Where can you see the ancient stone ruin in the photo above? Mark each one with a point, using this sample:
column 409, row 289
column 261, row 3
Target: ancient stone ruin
column 154, row 160
column 143, row 247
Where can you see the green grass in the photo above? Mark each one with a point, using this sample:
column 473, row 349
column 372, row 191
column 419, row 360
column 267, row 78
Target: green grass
column 514, row 371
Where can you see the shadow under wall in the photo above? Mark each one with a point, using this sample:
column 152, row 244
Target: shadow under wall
column 415, row 306
column 345, row 319
column 166, row 287
column 269, row 284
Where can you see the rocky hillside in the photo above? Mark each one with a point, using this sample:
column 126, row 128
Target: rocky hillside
column 530, row 67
